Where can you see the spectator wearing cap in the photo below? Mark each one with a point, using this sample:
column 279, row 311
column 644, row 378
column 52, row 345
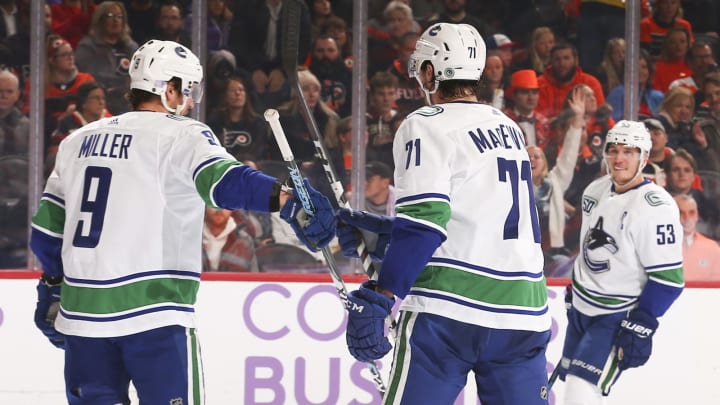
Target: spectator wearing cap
column 454, row 12
column 659, row 152
column 701, row 255
column 523, row 95
column 650, row 99
column 560, row 77
column 380, row 194
column 502, row 46
column 62, row 81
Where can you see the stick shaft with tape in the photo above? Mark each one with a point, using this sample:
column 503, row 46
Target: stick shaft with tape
column 273, row 118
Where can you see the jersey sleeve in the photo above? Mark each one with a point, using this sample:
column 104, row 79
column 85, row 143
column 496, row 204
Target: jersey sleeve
column 658, row 237
column 221, row 180
column 422, row 181
column 48, row 223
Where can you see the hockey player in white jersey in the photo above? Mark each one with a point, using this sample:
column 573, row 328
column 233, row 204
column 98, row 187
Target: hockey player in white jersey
column 119, row 234
column 464, row 250
column 628, row 273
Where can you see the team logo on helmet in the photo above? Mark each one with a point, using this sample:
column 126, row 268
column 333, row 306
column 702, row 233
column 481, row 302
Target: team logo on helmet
column 181, row 52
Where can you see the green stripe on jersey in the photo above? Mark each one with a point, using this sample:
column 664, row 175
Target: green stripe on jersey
column 195, row 369
column 479, row 287
column 50, row 216
column 437, row 212
column 598, row 298
column 674, row 276
column 209, row 176
column 103, row 301
column 399, row 367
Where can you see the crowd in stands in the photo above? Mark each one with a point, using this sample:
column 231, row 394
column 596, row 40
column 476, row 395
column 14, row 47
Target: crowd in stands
column 556, row 68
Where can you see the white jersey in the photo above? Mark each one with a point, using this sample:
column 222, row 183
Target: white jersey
column 128, row 188
column 462, row 169
column 626, row 239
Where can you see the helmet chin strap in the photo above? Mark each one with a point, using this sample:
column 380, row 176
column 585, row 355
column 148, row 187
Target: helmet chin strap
column 641, row 166
column 175, row 111
column 426, row 91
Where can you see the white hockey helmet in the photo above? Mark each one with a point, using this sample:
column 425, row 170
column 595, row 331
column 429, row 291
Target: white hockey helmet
column 630, row 133
column 456, row 51
column 157, row 62
column 633, row 134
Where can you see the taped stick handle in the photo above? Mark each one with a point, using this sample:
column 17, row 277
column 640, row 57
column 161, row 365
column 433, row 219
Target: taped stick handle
column 273, row 119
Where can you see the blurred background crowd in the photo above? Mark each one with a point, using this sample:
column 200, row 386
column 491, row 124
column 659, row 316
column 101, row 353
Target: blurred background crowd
column 542, row 56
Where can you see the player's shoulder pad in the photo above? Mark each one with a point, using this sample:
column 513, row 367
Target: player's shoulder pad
column 426, row 111
column 657, row 197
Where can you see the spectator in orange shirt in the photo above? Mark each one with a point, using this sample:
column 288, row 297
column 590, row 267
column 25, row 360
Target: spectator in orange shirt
column 701, row 61
column 563, row 74
column 701, row 255
column 672, row 63
column 653, row 29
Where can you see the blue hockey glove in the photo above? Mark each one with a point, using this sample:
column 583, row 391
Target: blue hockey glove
column 349, row 223
column 367, row 310
column 634, row 340
column 314, row 231
column 46, row 310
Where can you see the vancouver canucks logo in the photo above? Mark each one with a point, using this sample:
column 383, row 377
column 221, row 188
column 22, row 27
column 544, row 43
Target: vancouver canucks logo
column 596, row 258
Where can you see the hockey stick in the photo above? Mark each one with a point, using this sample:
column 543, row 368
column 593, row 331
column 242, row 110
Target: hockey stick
column 291, row 13
column 554, row 375
column 273, row 118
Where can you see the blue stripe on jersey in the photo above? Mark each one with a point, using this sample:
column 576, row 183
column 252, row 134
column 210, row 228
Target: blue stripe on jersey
column 144, row 274
column 203, row 165
column 480, row 269
column 457, row 300
column 423, row 196
column 664, row 266
column 126, row 315
column 54, row 198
